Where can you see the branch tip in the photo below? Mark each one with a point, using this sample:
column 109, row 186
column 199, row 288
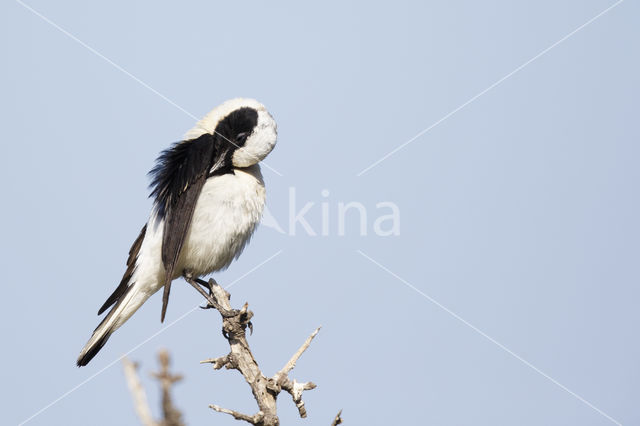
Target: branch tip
column 255, row 419
column 138, row 394
column 338, row 419
column 292, row 362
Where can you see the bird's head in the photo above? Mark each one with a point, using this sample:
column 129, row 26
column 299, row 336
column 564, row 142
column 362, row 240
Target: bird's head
column 244, row 126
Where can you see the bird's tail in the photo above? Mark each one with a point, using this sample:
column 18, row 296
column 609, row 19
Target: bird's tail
column 126, row 305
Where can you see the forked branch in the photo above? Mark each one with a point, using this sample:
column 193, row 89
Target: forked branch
column 265, row 390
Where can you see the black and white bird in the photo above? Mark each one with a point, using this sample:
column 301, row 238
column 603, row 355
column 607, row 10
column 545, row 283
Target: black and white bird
column 208, row 199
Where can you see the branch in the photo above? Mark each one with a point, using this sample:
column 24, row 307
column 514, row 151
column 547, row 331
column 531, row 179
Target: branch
column 338, row 420
column 172, row 416
column 218, row 363
column 294, row 388
column 265, row 390
column 292, row 362
column 254, row 420
column 137, row 392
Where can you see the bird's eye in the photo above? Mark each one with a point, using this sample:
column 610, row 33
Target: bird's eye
column 242, row 136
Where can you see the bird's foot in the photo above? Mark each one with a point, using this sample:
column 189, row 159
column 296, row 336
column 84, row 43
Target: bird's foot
column 211, row 299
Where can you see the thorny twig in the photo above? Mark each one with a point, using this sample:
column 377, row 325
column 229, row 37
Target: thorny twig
column 265, row 390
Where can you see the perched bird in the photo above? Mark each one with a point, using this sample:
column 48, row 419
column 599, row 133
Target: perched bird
column 208, row 199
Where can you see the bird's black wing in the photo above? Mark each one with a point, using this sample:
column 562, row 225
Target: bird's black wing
column 131, row 265
column 177, row 180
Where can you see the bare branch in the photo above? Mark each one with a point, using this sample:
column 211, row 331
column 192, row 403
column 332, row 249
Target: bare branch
column 265, row 390
column 295, row 390
column 292, row 362
column 254, row 420
column 172, row 416
column 218, row 363
column 338, row 419
column 140, row 402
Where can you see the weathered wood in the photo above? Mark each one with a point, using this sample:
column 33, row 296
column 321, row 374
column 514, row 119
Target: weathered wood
column 172, row 416
column 140, row 403
column 265, row 390
column 338, row 420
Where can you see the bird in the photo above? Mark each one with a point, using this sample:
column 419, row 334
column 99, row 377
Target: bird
column 208, row 197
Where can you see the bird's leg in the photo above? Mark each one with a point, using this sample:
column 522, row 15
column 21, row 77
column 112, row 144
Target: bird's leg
column 196, row 283
column 205, row 284
column 211, row 300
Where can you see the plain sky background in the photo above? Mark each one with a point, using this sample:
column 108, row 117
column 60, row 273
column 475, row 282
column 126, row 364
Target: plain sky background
column 519, row 213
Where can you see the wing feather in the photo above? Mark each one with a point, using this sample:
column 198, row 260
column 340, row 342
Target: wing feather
column 178, row 177
column 131, row 265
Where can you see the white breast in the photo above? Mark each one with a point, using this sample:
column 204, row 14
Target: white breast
column 227, row 212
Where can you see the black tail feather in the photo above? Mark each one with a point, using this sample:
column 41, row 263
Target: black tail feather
column 88, row 356
column 131, row 266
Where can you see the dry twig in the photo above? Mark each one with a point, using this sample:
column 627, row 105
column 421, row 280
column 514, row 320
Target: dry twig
column 140, row 402
column 171, row 415
column 265, row 390
column 338, row 420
